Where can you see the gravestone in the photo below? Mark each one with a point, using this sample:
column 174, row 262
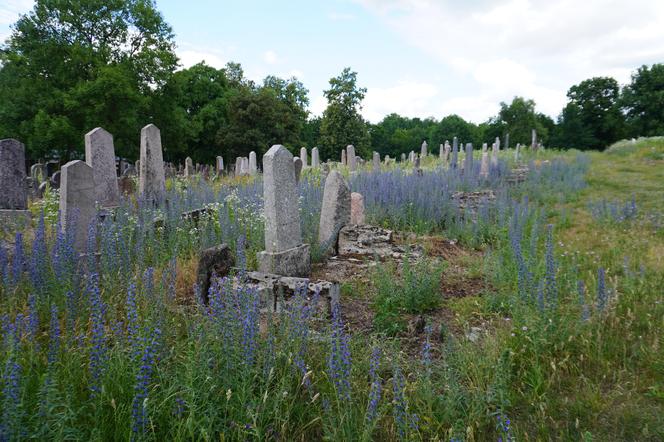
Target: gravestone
column 448, row 149
column 507, row 140
column 335, row 212
column 494, row 155
column 533, row 139
column 100, row 156
column 297, row 164
column 38, row 173
column 498, row 144
column 343, row 157
column 238, row 166
column 315, row 158
column 152, row 180
column 376, row 161
column 126, row 185
column 484, row 165
column 129, row 171
column 13, row 189
column 516, row 151
column 441, row 151
column 303, row 157
column 455, row 152
column 215, row 262
column 244, row 166
column 284, row 253
column 55, row 179
column 403, row 157
column 356, row 208
column 351, row 158
column 77, row 201
column 468, row 166
column 220, row 165
column 188, row 167
column 485, row 147
column 253, row 167
column 424, row 150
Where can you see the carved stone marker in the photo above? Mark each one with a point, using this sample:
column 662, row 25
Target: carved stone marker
column 152, row 179
column 284, row 253
column 100, row 155
column 77, row 201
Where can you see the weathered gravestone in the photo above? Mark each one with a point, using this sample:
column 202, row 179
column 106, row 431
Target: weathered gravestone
column 468, row 166
column 38, row 173
column 188, row 167
column 284, row 253
column 238, row 166
column 315, row 158
column 494, row 155
column 100, row 156
column 455, row 153
column 213, row 262
column 356, row 208
column 335, row 212
column 484, row 165
column 77, row 201
column 343, row 157
column 55, row 180
column 152, row 180
column 297, row 165
column 533, row 140
column 303, row 157
column 351, row 158
column 403, row 157
column 13, row 191
column 424, row 150
column 516, row 151
column 376, row 161
column 220, row 165
column 253, row 167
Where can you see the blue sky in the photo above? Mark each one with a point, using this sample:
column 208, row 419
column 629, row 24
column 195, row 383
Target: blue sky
column 420, row 57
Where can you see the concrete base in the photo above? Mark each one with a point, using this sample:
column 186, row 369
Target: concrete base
column 291, row 262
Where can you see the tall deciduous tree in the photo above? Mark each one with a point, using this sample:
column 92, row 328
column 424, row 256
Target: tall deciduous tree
column 71, row 65
column 643, row 100
column 342, row 123
column 598, row 110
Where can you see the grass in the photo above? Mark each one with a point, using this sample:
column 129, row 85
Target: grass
column 542, row 355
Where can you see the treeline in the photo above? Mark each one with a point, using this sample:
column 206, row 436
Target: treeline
column 71, row 66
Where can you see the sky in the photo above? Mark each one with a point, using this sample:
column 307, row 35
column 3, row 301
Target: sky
column 419, row 58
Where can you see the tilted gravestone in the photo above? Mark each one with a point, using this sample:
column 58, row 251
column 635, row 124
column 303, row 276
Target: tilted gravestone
column 152, row 179
column 100, row 156
column 335, row 212
column 77, row 201
column 284, row 253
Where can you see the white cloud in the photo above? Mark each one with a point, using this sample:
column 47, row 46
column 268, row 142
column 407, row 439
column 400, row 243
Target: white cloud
column 407, row 98
column 534, row 48
column 10, row 10
column 191, row 54
column 270, row 57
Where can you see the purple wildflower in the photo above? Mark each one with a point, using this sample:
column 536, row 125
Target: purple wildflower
column 375, row 391
column 339, row 362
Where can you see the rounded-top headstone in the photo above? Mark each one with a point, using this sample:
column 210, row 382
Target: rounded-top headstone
column 335, row 211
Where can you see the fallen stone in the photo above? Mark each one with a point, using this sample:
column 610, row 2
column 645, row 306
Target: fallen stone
column 215, row 262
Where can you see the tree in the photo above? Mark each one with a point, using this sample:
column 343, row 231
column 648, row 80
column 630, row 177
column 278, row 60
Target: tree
column 598, row 110
column 72, row 65
column 570, row 132
column 342, row 123
column 454, row 126
column 519, row 118
column 643, row 100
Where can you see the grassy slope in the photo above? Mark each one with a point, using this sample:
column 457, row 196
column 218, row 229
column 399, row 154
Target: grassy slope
column 610, row 385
